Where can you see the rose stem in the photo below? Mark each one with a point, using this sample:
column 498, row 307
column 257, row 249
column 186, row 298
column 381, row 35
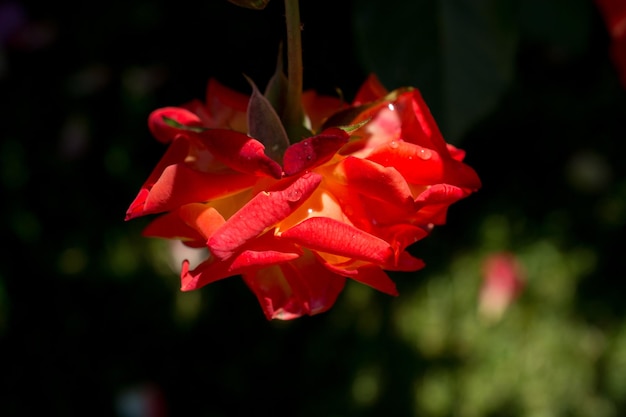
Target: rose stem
column 293, row 112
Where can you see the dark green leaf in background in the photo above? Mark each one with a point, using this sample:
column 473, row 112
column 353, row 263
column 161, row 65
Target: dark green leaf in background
column 459, row 53
column 462, row 54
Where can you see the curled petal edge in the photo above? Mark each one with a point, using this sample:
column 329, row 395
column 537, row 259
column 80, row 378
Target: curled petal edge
column 263, row 211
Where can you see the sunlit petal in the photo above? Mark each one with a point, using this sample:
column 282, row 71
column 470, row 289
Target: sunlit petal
column 328, row 235
column 175, row 154
column 180, row 185
column 374, row 180
column 422, row 166
column 261, row 212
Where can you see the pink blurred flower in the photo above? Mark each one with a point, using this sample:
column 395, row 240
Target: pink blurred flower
column 503, row 280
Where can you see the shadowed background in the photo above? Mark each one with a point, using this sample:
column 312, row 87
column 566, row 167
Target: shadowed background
column 91, row 318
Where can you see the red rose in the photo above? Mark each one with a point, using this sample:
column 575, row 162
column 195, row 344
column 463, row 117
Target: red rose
column 614, row 14
column 339, row 205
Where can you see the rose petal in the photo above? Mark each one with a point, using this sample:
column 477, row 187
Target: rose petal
column 260, row 253
column 171, row 226
column 418, row 124
column 400, row 236
column 296, row 288
column 375, row 277
column 192, row 223
column 165, row 132
column 219, row 97
column 179, row 185
column 614, row 15
column 318, row 108
column 266, row 250
column 382, row 214
column 371, row 90
column 206, row 273
column 433, row 203
column 136, row 208
column 313, row 151
column 224, row 108
column 203, row 218
column 328, row 235
column 422, row 166
column 262, row 211
column 456, row 153
column 240, row 152
column 404, row 115
column 374, row 180
column 404, row 261
column 256, row 259
column 176, row 153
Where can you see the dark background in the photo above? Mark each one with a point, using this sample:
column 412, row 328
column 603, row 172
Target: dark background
column 91, row 318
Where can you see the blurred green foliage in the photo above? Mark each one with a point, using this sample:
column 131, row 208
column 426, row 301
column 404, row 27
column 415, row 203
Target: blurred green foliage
column 90, row 311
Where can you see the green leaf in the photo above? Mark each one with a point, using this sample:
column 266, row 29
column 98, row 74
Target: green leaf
column 276, row 93
column 174, row 123
column 276, row 89
column 265, row 126
column 251, row 4
column 459, row 53
column 356, row 126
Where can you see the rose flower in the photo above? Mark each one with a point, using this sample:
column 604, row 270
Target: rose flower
column 296, row 219
column 614, row 15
